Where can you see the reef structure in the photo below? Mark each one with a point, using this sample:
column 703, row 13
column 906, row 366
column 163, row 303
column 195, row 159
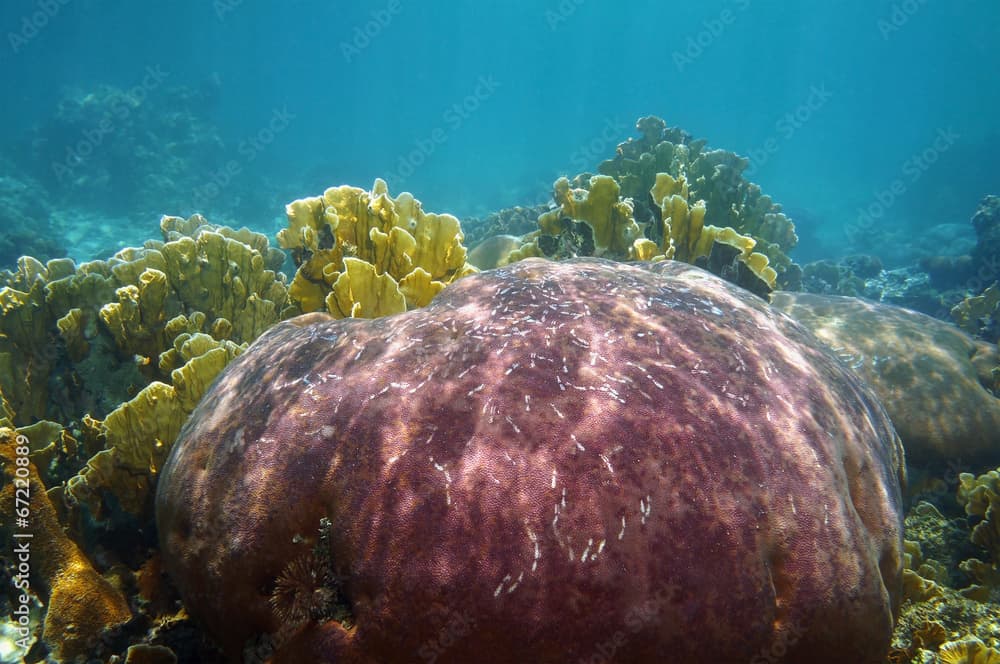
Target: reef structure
column 713, row 176
column 666, row 196
column 934, row 380
column 550, row 462
column 365, row 254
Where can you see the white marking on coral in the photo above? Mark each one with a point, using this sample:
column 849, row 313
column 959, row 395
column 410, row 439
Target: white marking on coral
column 561, row 416
column 586, row 551
column 553, row 478
column 608, row 464
column 621, row 533
column 496, row 593
column 477, row 388
column 424, row 381
column 538, row 550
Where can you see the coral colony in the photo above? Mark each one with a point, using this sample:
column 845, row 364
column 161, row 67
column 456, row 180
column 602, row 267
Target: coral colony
column 623, row 426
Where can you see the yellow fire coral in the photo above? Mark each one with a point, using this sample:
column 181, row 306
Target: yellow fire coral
column 134, row 340
column 114, row 318
column 970, row 313
column 598, row 222
column 688, row 239
column 140, row 432
column 968, row 651
column 714, row 176
column 601, row 208
column 981, row 498
column 365, row 254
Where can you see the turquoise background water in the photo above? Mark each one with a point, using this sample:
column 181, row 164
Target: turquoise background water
column 843, row 107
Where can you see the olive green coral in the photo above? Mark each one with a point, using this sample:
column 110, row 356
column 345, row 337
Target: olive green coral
column 688, row 238
column 411, row 255
column 714, row 176
column 594, row 220
column 85, row 338
column 139, row 433
column 122, row 349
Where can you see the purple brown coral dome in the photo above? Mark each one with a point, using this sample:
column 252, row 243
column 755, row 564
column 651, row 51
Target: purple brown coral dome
column 580, row 461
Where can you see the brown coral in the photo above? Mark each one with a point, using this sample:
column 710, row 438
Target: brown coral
column 82, row 605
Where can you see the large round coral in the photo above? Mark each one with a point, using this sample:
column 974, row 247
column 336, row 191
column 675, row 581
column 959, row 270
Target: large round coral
column 553, row 462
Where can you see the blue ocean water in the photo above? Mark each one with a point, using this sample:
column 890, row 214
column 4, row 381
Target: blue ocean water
column 884, row 108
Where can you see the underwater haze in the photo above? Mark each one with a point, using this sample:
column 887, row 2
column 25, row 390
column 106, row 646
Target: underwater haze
column 479, row 106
